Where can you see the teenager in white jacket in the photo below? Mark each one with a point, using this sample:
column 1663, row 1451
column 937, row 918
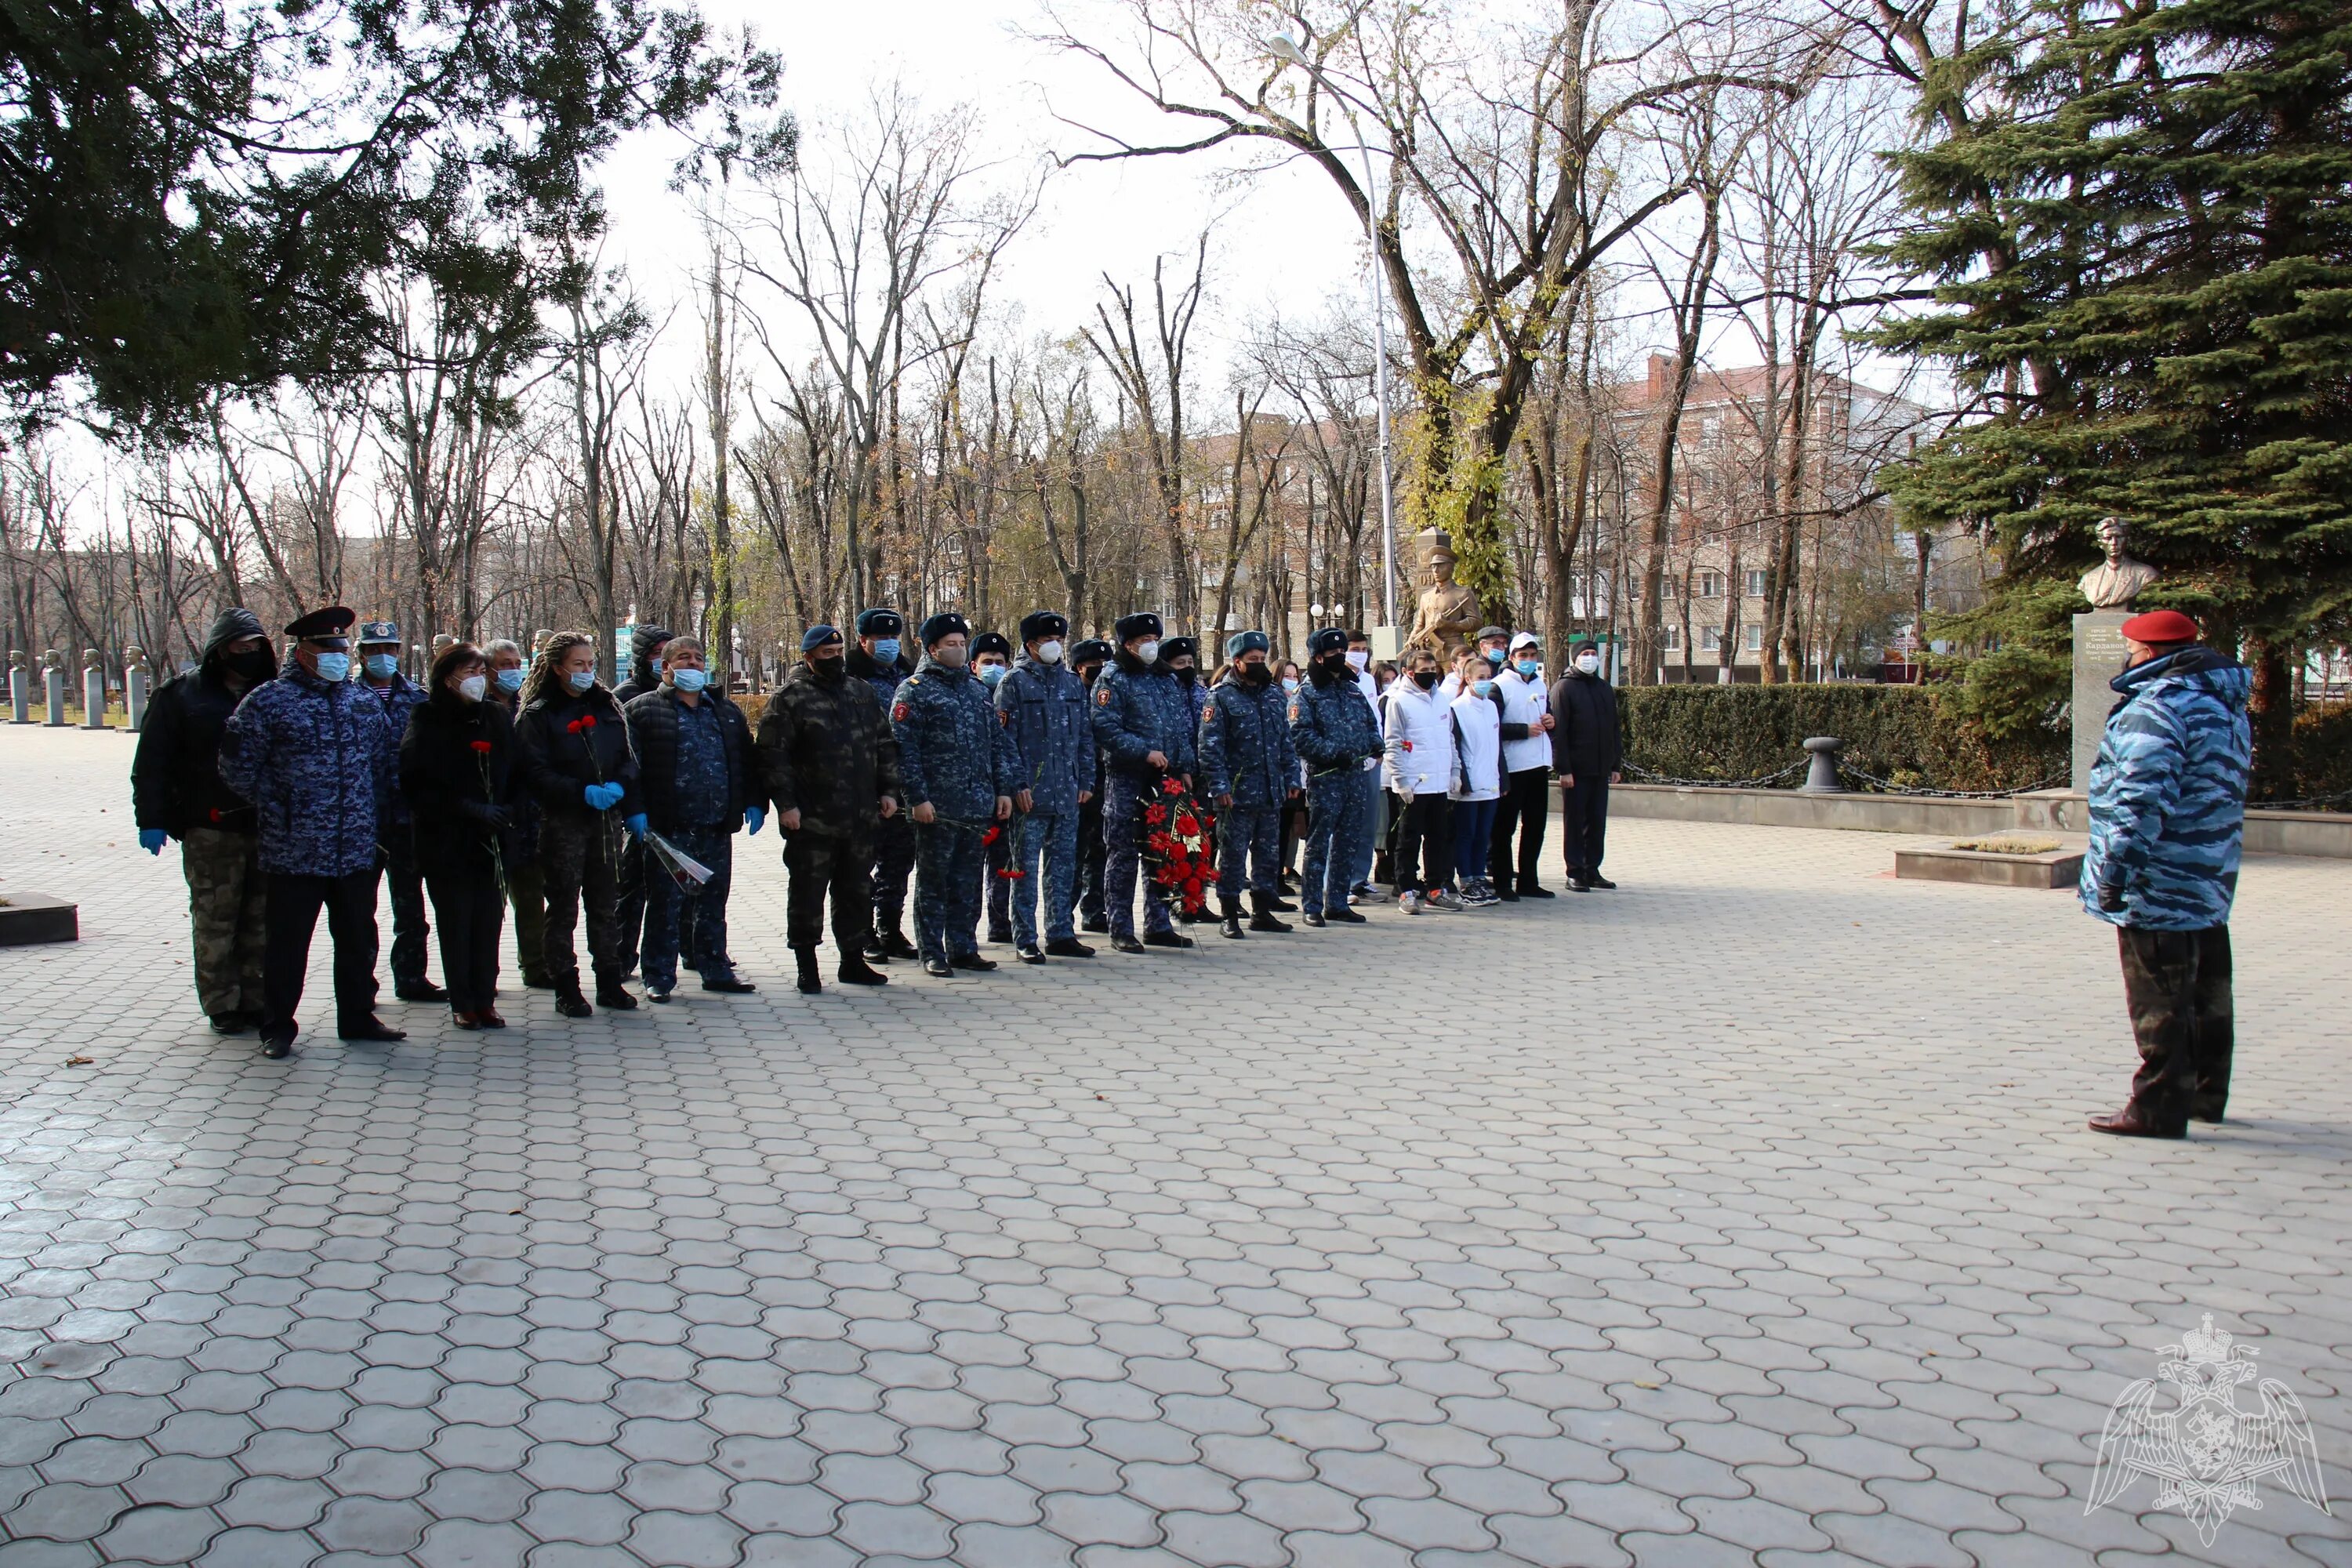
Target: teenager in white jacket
column 1477, row 784
column 1418, row 768
column 1526, row 805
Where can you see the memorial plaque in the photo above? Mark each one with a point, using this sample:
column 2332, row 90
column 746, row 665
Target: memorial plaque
column 2098, row 658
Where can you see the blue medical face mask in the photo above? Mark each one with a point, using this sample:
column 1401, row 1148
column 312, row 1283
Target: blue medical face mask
column 334, row 667
column 1483, row 688
column 991, row 673
column 689, row 680
column 383, row 666
column 580, row 681
column 887, row 649
column 510, row 679
column 1528, row 667
column 658, row 668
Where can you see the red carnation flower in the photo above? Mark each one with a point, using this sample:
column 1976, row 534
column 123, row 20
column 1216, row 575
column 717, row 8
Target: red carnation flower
column 482, row 746
column 588, row 721
column 1155, row 814
column 1169, row 786
column 1188, row 825
column 575, row 726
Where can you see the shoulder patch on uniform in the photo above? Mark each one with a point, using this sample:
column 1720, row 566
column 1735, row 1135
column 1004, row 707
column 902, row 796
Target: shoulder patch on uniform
column 1103, row 696
column 898, row 712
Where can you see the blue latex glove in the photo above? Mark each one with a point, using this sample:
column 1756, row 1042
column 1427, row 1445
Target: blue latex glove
column 602, row 797
column 755, row 817
column 152, row 839
column 636, row 823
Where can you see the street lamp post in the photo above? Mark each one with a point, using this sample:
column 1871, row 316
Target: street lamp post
column 1285, row 49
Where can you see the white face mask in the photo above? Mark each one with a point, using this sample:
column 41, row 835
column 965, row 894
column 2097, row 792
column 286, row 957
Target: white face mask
column 1148, row 650
column 1358, row 659
column 1050, row 652
column 1588, row 662
column 472, row 687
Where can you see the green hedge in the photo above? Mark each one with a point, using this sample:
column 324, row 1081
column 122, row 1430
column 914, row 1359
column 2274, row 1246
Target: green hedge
column 1912, row 736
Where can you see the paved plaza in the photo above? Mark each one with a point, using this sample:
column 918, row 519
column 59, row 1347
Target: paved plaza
column 1745, row 1215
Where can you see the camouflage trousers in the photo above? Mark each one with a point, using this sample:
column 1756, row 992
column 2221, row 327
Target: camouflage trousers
column 581, row 865
column 1249, row 846
column 226, row 896
column 949, row 865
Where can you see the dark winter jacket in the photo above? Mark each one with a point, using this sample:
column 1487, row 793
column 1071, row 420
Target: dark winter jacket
column 653, row 720
column 400, row 699
column 952, row 751
column 2168, row 795
column 1585, row 738
column 315, row 758
column 643, row 644
column 451, row 786
column 522, row 810
column 1043, row 707
column 570, row 743
column 825, row 750
column 1246, row 746
column 884, row 678
column 176, row 783
column 1140, row 709
column 1333, row 727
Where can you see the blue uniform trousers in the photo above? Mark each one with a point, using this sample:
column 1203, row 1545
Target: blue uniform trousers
column 949, row 865
column 691, row 924
column 1368, row 786
column 998, row 886
column 1046, row 853
column 1123, row 866
column 1339, row 835
column 1248, row 843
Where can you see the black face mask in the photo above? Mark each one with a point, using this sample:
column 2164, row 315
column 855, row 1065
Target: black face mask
column 1257, row 674
column 252, row 666
column 1332, row 664
column 1424, row 678
column 830, row 668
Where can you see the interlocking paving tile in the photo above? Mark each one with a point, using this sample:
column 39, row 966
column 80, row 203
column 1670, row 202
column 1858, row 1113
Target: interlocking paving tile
column 1744, row 1215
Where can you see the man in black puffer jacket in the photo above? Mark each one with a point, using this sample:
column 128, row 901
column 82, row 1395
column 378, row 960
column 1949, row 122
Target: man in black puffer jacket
column 648, row 648
column 176, row 793
column 698, row 780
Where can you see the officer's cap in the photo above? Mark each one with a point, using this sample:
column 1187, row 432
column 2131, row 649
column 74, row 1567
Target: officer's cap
column 944, row 625
column 1142, row 624
column 1180, row 648
column 817, row 636
column 880, row 624
column 1331, row 639
column 332, row 625
column 1241, row 643
column 373, row 633
column 1094, row 650
column 991, row 642
column 1040, row 625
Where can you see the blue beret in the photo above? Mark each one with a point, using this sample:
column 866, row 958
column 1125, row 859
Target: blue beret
column 1241, row 643
column 817, row 637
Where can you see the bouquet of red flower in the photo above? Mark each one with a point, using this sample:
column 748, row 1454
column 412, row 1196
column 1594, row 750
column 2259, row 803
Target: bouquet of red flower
column 1176, row 828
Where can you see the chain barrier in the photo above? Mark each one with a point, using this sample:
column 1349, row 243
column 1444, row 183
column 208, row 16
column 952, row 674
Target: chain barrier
column 2309, row 803
column 1887, row 786
column 1644, row 775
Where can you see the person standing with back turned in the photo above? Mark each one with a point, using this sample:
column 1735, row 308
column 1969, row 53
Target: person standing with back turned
column 2167, row 805
column 1586, row 752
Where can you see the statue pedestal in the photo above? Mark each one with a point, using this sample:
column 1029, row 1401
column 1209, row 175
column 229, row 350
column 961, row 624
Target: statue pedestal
column 2098, row 658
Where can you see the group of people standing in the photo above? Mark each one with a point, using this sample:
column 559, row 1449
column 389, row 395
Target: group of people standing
column 1019, row 780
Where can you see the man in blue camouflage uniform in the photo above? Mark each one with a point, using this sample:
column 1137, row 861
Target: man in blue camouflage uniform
column 992, row 661
column 1043, row 707
column 1339, row 738
column 1087, row 658
column 1250, row 769
column 1147, row 731
column 877, row 659
column 955, row 763
column 311, row 750
column 1183, row 657
column 380, row 672
column 2167, row 805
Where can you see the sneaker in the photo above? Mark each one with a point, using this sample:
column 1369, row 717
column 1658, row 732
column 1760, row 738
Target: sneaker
column 1409, row 903
column 1444, row 898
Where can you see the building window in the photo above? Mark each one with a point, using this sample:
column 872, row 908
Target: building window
column 1756, row 582
column 1710, row 585
column 1674, row 638
column 1754, row 639
column 1710, row 639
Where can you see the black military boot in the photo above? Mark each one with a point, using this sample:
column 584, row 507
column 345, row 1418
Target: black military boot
column 856, row 971
column 874, row 953
column 567, row 1000
column 612, row 995
column 1124, row 942
column 1165, row 938
column 896, row 945
column 805, row 957
column 1263, row 919
column 1230, row 924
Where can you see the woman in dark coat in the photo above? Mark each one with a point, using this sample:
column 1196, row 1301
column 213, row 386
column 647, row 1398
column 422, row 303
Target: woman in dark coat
column 575, row 751
column 457, row 771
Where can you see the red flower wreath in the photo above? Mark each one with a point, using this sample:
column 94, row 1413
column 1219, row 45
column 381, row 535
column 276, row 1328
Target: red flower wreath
column 1176, row 846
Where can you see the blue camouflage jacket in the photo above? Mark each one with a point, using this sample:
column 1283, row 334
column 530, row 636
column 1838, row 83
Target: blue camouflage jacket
column 2168, row 798
column 1246, row 746
column 315, row 758
column 1139, row 709
column 1043, row 707
column 952, row 750
column 400, row 699
column 1331, row 725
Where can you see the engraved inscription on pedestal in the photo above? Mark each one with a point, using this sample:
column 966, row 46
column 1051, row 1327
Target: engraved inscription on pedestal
column 2098, row 658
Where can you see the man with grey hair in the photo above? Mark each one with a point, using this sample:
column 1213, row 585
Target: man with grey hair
column 526, row 886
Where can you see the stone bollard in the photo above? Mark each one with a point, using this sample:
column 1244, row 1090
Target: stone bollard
column 93, row 689
column 134, row 688
column 20, row 688
column 53, row 686
column 1822, row 776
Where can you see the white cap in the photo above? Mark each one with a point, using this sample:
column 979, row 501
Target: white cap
column 1526, row 639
